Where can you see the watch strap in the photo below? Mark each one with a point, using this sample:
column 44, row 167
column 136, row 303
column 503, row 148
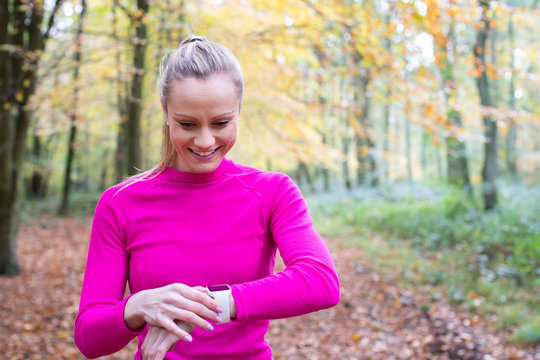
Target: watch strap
column 222, row 298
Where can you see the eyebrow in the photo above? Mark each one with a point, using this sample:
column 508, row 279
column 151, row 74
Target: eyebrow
column 215, row 117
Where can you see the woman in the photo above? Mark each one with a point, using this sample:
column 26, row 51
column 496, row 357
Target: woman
column 194, row 221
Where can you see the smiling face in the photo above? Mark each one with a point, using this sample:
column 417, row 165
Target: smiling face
column 202, row 115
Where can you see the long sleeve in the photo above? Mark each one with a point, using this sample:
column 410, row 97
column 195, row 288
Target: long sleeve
column 100, row 327
column 309, row 281
column 202, row 229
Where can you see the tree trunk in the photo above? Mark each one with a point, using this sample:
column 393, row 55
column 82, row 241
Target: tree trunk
column 104, row 169
column 438, row 161
column 8, row 256
column 511, row 137
column 303, row 172
column 64, row 204
column 133, row 133
column 489, row 170
column 423, row 153
column 37, row 184
column 457, row 163
column 386, row 134
column 17, row 84
column 120, row 155
column 408, row 141
column 387, row 105
column 345, row 164
column 325, row 173
column 367, row 165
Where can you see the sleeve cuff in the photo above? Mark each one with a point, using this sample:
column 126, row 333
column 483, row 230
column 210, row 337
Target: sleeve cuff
column 239, row 301
column 137, row 331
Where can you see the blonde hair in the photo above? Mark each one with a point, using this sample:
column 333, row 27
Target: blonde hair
column 196, row 57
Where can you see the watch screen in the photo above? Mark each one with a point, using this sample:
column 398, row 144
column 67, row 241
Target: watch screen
column 219, row 287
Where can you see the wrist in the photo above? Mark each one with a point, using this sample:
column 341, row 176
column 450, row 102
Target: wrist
column 132, row 316
column 232, row 307
column 222, row 295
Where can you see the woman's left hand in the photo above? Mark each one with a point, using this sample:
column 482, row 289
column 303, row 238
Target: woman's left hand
column 159, row 341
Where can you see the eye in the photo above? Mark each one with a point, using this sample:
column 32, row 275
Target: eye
column 221, row 123
column 186, row 124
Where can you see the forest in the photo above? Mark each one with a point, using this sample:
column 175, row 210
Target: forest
column 412, row 127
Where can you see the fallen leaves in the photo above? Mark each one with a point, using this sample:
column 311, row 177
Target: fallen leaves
column 376, row 319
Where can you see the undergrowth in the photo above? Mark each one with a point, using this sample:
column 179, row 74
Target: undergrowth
column 487, row 261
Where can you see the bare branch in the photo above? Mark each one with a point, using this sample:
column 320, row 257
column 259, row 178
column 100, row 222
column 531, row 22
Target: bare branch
column 57, row 5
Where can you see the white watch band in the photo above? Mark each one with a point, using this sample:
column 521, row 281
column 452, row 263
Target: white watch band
column 222, row 298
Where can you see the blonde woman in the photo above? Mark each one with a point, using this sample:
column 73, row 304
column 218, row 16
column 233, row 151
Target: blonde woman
column 196, row 236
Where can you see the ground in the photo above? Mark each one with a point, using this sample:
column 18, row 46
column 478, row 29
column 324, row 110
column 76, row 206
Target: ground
column 376, row 317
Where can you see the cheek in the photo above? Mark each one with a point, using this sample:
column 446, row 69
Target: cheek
column 177, row 138
column 232, row 137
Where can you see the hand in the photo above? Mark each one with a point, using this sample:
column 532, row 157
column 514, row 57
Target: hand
column 162, row 306
column 159, row 341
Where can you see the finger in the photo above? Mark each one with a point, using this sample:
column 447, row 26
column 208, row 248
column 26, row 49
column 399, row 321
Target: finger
column 148, row 344
column 201, row 311
column 185, row 326
column 163, row 344
column 193, row 319
column 197, row 296
column 201, row 289
column 171, row 327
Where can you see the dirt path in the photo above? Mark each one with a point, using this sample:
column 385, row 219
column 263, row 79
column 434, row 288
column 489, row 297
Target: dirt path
column 376, row 319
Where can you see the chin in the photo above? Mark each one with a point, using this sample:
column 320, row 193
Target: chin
column 204, row 168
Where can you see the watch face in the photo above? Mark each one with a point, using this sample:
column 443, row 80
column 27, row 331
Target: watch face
column 219, row 287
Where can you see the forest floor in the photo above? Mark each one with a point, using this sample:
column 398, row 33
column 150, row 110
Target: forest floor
column 376, row 318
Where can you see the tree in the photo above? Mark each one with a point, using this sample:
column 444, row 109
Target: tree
column 134, row 101
column 511, row 137
column 129, row 154
column 456, row 151
column 64, row 204
column 20, row 52
column 489, row 170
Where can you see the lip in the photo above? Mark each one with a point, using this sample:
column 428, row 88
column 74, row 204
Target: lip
column 204, row 155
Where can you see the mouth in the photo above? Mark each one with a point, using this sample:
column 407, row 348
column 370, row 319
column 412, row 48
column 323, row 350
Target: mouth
column 204, row 154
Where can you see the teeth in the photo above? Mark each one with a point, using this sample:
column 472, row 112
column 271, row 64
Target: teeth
column 203, row 153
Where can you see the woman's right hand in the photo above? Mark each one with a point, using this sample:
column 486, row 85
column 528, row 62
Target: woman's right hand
column 159, row 341
column 162, row 306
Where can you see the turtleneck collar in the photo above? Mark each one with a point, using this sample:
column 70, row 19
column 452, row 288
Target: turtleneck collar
column 188, row 177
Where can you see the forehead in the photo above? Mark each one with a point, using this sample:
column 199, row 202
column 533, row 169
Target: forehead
column 215, row 90
column 191, row 84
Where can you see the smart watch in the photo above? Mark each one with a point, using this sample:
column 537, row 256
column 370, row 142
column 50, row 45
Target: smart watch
column 221, row 293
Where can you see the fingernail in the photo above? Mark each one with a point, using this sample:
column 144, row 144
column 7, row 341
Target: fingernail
column 188, row 338
column 219, row 309
column 209, row 327
column 219, row 319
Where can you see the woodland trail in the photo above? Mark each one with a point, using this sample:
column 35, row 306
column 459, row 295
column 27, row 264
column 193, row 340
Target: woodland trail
column 376, row 318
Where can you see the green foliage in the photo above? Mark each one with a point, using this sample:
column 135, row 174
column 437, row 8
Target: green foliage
column 511, row 316
column 508, row 237
column 81, row 204
column 438, row 236
column 528, row 334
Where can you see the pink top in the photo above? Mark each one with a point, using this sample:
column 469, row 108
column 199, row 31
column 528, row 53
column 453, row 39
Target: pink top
column 204, row 229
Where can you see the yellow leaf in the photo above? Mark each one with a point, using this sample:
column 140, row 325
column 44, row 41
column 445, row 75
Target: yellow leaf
column 472, row 295
column 19, row 96
column 6, row 106
column 356, row 337
column 26, row 83
column 62, row 335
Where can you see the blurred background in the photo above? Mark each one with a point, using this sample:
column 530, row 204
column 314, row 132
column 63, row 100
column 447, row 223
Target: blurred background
column 417, row 122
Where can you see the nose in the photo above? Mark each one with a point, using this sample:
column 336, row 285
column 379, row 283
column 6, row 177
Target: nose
column 205, row 139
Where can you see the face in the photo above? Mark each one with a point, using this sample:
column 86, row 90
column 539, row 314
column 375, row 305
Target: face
column 202, row 115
